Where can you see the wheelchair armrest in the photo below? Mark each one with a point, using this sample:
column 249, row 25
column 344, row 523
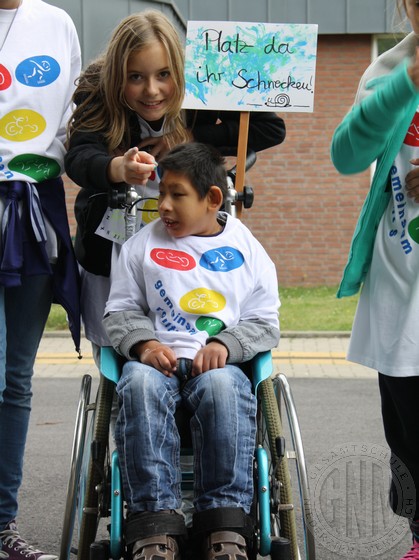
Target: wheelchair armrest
column 262, row 368
column 110, row 363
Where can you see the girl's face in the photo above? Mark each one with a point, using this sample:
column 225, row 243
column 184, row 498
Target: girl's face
column 149, row 88
column 412, row 11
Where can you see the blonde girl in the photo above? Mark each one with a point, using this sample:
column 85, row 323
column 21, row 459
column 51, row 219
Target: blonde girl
column 128, row 115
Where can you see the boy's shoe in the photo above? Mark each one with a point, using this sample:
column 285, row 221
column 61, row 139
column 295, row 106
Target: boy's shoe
column 15, row 548
column 413, row 553
column 226, row 544
column 158, row 547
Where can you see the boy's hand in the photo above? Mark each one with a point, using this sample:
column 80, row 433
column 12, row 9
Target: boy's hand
column 212, row 356
column 158, row 356
column 134, row 167
column 412, row 181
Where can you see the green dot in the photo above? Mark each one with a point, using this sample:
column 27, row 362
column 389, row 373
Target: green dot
column 39, row 168
column 210, row 324
column 413, row 229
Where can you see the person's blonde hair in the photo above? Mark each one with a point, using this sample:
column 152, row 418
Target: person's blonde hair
column 99, row 96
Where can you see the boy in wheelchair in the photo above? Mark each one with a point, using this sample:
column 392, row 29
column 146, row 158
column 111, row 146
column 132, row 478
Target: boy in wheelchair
column 193, row 296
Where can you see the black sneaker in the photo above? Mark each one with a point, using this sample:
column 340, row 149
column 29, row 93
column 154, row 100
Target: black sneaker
column 15, row 548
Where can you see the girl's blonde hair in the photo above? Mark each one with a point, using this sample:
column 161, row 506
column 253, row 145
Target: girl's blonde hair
column 99, row 96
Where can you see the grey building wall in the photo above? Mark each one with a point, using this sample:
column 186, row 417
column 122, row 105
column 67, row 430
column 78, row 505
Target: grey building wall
column 95, row 19
column 332, row 16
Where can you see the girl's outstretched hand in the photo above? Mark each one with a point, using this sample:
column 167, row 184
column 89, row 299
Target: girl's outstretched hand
column 134, row 167
column 413, row 69
column 412, row 181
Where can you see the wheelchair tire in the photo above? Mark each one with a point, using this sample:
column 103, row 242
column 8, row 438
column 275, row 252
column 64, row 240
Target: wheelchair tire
column 286, row 493
column 96, row 482
column 285, row 394
column 75, row 468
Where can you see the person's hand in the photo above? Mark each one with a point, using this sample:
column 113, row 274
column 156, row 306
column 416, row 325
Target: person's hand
column 158, row 356
column 134, row 167
column 413, row 69
column 212, row 356
column 412, row 181
column 157, row 147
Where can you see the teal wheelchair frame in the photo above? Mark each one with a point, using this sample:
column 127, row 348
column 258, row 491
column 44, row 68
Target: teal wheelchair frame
column 282, row 501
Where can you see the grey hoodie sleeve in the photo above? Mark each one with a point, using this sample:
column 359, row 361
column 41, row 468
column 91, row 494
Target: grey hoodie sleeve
column 248, row 338
column 125, row 329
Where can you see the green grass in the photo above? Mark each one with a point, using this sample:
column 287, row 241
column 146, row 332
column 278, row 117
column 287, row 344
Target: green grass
column 302, row 309
column 57, row 320
column 315, row 309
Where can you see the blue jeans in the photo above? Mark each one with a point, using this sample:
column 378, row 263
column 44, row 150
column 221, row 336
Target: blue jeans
column 223, row 429
column 24, row 311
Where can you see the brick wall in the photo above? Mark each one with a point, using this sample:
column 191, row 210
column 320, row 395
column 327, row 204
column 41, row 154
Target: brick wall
column 304, row 211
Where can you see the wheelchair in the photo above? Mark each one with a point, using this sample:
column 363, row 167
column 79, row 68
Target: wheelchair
column 94, row 510
column 281, row 509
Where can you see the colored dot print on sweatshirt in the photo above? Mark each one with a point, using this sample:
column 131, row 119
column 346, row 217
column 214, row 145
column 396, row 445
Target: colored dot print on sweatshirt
column 412, row 135
column 38, row 168
column 176, row 260
column 5, row 78
column 38, row 71
column 202, row 301
column 209, row 324
column 222, row 259
column 413, row 229
column 149, row 211
column 21, row 125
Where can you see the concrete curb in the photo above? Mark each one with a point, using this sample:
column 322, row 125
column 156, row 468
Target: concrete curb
column 284, row 334
column 315, row 334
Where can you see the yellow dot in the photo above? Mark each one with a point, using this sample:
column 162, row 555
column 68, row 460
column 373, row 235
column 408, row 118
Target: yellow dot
column 202, row 301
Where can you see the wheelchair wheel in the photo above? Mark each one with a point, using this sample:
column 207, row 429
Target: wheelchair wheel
column 76, row 464
column 87, row 486
column 96, row 499
column 289, row 497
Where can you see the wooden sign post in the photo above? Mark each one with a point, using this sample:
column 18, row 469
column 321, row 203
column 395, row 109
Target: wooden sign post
column 231, row 66
column 241, row 156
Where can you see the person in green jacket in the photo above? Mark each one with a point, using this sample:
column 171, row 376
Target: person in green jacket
column 382, row 129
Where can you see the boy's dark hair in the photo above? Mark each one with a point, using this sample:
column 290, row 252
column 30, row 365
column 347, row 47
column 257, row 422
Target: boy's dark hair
column 202, row 164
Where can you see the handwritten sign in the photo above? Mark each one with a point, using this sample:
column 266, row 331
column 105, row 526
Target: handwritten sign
column 250, row 66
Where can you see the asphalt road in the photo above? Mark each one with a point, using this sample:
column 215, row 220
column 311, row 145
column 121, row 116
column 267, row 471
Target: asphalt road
column 345, row 451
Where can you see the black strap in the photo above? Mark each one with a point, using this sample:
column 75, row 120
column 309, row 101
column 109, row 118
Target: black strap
column 148, row 523
column 224, row 518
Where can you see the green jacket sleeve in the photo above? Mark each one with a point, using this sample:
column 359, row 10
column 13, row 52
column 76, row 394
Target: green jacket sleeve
column 365, row 132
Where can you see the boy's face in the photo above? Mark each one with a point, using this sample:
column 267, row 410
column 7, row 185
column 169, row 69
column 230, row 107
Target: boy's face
column 182, row 211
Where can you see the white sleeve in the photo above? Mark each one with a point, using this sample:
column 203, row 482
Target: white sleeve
column 127, row 291
column 264, row 301
column 75, row 69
